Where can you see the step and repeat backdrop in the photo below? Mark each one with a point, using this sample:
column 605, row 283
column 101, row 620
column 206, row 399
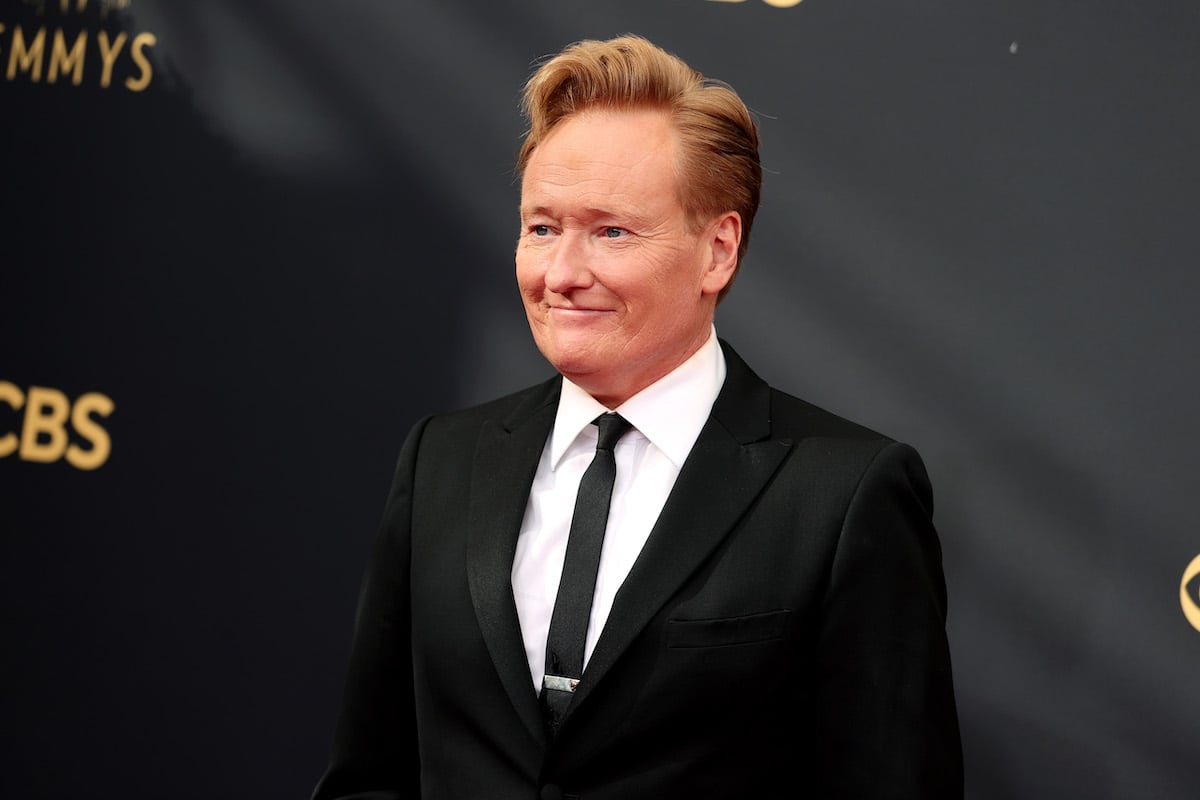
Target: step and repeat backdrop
column 245, row 245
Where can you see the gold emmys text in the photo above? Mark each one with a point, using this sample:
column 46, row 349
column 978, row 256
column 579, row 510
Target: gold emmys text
column 52, row 54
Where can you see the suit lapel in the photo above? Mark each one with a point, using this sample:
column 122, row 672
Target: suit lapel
column 506, row 458
column 730, row 464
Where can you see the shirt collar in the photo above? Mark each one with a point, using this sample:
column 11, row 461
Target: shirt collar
column 669, row 412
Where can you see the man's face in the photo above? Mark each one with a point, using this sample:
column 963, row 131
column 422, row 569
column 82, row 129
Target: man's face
column 618, row 288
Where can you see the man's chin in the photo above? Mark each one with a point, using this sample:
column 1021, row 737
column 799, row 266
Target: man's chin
column 579, row 369
column 583, row 369
column 575, row 353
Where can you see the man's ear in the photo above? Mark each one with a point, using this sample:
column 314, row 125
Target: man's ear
column 724, row 236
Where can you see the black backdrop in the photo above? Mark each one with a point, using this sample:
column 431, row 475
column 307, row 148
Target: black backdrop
column 272, row 235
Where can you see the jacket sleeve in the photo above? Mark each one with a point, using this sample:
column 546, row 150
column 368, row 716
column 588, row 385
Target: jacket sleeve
column 375, row 752
column 884, row 696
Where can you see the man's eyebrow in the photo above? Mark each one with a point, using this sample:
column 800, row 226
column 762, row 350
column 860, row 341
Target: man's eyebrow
column 589, row 214
column 535, row 211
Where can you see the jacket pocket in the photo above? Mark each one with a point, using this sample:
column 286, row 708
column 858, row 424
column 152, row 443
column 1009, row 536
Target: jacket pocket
column 725, row 631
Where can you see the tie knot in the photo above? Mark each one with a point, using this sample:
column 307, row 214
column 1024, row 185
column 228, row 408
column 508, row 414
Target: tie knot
column 612, row 427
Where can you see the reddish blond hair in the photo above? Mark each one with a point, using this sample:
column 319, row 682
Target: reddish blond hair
column 718, row 169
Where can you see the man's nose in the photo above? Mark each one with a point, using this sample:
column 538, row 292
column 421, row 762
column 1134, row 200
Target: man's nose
column 568, row 267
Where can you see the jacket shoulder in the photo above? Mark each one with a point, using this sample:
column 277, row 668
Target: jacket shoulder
column 509, row 410
column 796, row 418
column 751, row 409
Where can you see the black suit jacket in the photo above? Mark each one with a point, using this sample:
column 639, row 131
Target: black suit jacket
column 781, row 634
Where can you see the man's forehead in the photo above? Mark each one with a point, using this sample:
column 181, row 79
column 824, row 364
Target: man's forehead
column 597, row 200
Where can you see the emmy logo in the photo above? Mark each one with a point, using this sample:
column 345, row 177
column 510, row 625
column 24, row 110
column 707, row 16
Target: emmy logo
column 1189, row 593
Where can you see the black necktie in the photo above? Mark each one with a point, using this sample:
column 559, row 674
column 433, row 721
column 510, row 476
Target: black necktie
column 573, row 605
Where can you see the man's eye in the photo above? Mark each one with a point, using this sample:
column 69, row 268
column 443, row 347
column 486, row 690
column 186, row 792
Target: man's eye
column 614, row 233
column 541, row 230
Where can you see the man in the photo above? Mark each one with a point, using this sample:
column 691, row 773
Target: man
column 767, row 616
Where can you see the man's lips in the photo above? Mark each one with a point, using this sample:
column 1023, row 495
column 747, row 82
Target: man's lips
column 577, row 311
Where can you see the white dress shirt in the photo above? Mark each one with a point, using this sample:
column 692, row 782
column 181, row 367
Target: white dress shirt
column 667, row 417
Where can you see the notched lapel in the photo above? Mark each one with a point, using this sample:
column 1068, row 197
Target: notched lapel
column 729, row 466
column 506, row 458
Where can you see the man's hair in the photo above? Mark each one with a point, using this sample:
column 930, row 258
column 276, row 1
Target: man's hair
column 718, row 169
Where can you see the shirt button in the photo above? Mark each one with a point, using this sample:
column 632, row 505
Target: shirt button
column 551, row 792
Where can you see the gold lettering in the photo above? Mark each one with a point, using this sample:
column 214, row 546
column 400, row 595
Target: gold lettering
column 16, row 398
column 772, row 3
column 28, row 57
column 61, row 59
column 1190, row 608
column 111, row 5
column 108, row 54
column 85, row 426
column 45, row 413
column 142, row 40
column 65, row 6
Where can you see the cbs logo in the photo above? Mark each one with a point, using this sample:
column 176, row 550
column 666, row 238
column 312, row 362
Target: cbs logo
column 43, row 433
